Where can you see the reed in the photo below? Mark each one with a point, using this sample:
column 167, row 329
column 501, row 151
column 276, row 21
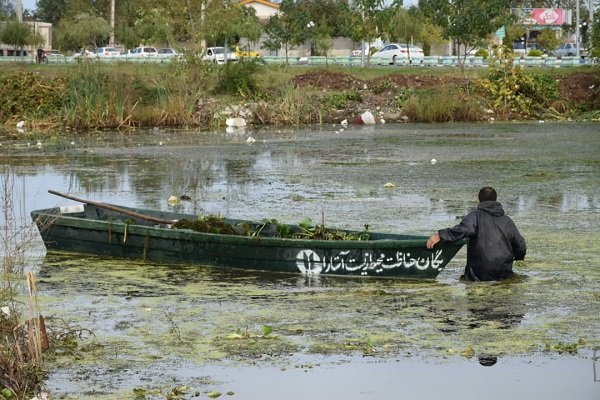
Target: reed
column 291, row 106
column 442, row 106
column 21, row 343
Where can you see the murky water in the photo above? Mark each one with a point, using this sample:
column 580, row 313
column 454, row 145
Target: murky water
column 159, row 327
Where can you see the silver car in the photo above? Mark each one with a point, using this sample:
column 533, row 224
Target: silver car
column 107, row 52
column 566, row 50
column 144, row 51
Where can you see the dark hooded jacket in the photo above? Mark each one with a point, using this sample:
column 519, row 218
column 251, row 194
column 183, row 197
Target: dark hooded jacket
column 494, row 242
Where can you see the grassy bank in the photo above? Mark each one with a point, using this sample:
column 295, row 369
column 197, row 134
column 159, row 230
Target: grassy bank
column 91, row 95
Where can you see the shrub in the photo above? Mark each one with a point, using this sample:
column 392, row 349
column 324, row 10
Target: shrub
column 535, row 53
column 513, row 89
column 339, row 101
column 238, row 78
column 25, row 94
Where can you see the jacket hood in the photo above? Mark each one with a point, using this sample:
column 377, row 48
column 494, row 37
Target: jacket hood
column 491, row 207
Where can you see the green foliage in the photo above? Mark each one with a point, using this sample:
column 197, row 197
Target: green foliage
column 227, row 21
column 96, row 98
column 50, row 10
column 595, row 39
column 270, row 227
column 80, row 31
column 16, row 34
column 513, row 89
column 482, row 53
column 467, row 21
column 403, row 95
column 367, row 20
column 535, row 53
column 238, row 78
column 287, row 29
column 405, row 25
column 338, row 101
column 442, row 106
column 384, row 85
column 323, row 41
column 548, row 40
column 152, row 26
column 25, row 94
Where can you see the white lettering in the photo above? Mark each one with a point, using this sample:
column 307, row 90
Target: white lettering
column 309, row 262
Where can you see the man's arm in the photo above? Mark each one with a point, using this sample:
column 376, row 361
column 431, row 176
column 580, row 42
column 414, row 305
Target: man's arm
column 466, row 228
column 519, row 246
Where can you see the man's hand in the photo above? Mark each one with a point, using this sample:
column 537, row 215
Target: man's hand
column 433, row 240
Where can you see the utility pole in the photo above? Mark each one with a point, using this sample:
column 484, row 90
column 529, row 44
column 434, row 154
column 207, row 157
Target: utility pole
column 577, row 27
column 590, row 20
column 112, row 23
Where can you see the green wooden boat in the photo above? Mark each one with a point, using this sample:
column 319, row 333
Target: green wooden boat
column 115, row 231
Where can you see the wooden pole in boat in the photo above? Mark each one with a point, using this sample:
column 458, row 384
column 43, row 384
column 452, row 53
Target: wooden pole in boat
column 115, row 208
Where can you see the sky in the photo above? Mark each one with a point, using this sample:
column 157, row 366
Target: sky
column 29, row 4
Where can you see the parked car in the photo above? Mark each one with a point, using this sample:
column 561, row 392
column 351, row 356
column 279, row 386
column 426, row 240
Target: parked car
column 144, row 51
column 566, row 50
column 367, row 50
column 167, row 52
column 217, row 55
column 107, row 52
column 394, row 52
column 84, row 53
column 54, row 55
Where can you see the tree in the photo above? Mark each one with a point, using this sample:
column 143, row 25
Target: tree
column 467, row 22
column 548, row 40
column 367, row 19
column 7, row 9
column 287, row 29
column 406, row 26
column 323, row 40
column 595, row 40
column 81, row 31
column 16, row 34
column 226, row 22
column 127, row 36
column 154, row 26
column 50, row 10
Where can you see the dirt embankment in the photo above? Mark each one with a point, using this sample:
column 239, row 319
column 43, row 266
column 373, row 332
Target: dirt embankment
column 578, row 91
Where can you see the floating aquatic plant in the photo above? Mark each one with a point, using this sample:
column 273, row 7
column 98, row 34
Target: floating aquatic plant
column 270, row 228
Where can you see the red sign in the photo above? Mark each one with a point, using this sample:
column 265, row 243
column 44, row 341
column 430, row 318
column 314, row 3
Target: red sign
column 544, row 16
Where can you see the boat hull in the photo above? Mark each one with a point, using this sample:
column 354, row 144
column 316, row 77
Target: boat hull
column 92, row 230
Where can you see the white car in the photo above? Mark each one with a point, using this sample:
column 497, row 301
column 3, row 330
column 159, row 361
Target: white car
column 143, row 51
column 367, row 50
column 83, row 53
column 394, row 52
column 107, row 52
column 217, row 55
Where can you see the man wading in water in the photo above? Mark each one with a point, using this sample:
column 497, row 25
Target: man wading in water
column 494, row 240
